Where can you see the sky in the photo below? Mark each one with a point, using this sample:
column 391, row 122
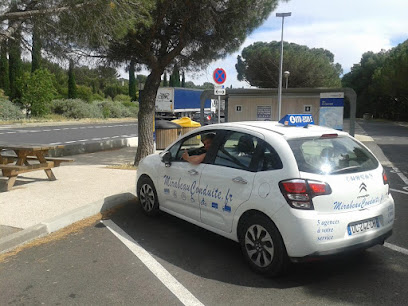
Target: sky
column 347, row 28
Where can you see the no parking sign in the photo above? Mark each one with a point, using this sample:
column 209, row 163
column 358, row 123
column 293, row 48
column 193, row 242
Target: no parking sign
column 219, row 76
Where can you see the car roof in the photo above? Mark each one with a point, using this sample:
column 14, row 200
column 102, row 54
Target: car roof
column 276, row 127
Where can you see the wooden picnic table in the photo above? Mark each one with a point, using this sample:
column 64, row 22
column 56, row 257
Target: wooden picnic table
column 27, row 158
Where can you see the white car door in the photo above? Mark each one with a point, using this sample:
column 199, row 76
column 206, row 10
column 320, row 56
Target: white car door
column 179, row 181
column 227, row 183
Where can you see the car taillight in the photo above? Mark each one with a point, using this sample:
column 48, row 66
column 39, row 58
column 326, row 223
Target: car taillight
column 299, row 193
column 208, row 117
column 385, row 181
column 385, row 178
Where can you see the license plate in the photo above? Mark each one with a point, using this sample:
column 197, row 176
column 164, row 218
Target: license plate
column 362, row 226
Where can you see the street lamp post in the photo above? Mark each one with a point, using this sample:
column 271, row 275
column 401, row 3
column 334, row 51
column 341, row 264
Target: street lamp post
column 283, row 15
column 286, row 74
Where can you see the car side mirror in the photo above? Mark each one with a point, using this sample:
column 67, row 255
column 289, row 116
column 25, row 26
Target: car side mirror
column 166, row 159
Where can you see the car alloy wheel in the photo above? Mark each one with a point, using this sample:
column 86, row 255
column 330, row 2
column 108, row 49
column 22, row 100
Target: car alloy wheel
column 147, row 197
column 259, row 245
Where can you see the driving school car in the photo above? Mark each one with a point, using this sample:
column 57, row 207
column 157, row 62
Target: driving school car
column 286, row 191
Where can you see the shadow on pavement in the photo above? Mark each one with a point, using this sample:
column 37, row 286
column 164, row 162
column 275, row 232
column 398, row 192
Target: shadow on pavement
column 211, row 256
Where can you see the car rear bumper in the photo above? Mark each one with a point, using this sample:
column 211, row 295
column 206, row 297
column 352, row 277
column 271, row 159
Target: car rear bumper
column 311, row 234
column 343, row 250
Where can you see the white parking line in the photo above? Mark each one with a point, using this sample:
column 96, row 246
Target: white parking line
column 401, row 175
column 185, row 296
column 400, row 191
column 396, row 248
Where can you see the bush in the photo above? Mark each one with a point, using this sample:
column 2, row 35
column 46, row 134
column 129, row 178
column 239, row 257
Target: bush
column 97, row 97
column 84, row 93
column 122, row 98
column 116, row 110
column 9, row 111
column 76, row 108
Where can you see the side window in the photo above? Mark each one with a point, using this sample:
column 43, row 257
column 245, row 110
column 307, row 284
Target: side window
column 192, row 145
column 269, row 159
column 236, row 151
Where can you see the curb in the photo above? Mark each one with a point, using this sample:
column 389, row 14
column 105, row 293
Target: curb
column 91, row 147
column 14, row 240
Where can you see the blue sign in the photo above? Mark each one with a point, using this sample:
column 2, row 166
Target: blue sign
column 331, row 110
column 297, row 120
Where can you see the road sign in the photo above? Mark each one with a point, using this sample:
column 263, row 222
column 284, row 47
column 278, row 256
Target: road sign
column 219, row 90
column 219, row 76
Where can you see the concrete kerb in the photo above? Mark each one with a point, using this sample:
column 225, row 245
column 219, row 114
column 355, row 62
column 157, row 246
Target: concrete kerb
column 91, row 147
column 54, row 224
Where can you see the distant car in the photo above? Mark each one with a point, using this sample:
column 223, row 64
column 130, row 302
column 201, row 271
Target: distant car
column 207, row 118
column 285, row 193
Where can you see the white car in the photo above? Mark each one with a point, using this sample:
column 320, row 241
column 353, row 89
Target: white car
column 285, row 193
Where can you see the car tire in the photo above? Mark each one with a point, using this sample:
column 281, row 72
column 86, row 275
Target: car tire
column 262, row 245
column 147, row 195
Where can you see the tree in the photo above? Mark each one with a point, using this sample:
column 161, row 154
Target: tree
column 36, row 50
column 132, row 81
column 259, row 65
column 175, row 77
column 72, row 90
column 192, row 33
column 183, row 79
column 38, row 92
column 4, row 69
column 360, row 78
column 390, row 84
column 15, row 70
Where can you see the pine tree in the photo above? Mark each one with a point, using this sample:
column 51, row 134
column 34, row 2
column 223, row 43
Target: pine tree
column 4, row 69
column 72, row 90
column 132, row 81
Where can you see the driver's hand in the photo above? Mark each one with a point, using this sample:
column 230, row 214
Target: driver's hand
column 185, row 155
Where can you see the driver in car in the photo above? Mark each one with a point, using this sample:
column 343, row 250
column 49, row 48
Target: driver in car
column 197, row 159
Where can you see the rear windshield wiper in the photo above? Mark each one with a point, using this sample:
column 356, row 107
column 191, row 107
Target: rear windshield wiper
column 347, row 169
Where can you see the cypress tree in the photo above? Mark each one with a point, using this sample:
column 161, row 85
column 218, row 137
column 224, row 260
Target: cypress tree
column 4, row 69
column 15, row 65
column 176, row 77
column 72, row 90
column 132, row 81
column 36, row 51
column 171, row 82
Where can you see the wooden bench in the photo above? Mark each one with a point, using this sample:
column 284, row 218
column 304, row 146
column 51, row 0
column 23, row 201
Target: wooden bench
column 13, row 165
column 57, row 160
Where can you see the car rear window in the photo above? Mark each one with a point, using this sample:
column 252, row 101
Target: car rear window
column 334, row 155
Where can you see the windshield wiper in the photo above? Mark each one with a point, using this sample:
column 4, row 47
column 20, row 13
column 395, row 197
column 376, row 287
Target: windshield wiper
column 347, row 169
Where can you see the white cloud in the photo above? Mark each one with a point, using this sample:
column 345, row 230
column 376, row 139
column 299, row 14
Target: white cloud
column 347, row 28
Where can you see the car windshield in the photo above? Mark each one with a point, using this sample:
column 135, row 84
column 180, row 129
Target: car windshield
column 337, row 155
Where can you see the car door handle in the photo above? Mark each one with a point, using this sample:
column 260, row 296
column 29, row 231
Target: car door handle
column 240, row 180
column 193, row 172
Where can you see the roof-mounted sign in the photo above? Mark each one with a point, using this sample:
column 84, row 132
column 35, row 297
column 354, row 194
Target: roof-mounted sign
column 297, row 120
